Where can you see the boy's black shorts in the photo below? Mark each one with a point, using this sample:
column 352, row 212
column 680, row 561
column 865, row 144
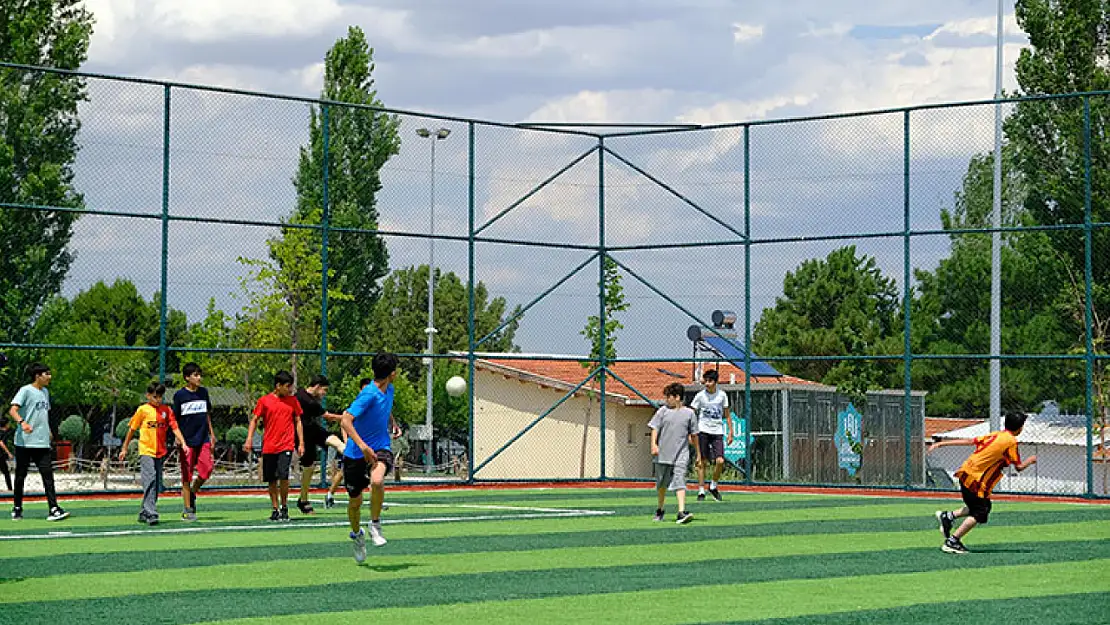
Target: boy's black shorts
column 356, row 471
column 275, row 467
column 314, row 438
column 712, row 446
column 979, row 508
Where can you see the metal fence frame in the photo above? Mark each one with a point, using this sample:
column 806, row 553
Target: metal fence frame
column 606, row 136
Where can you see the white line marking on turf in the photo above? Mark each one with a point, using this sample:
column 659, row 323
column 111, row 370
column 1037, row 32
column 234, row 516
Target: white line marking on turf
column 531, row 513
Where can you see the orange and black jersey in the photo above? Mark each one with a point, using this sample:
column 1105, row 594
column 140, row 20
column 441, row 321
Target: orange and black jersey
column 993, row 453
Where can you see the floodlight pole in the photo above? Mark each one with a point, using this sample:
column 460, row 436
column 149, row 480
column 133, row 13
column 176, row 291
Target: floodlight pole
column 438, row 134
column 996, row 246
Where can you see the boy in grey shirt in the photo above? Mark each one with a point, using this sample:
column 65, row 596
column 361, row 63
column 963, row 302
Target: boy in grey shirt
column 673, row 428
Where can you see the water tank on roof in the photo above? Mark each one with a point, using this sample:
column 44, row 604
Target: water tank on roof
column 723, row 318
column 694, row 333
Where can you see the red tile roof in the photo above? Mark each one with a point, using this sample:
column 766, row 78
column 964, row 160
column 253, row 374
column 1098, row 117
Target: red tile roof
column 937, row 425
column 647, row 377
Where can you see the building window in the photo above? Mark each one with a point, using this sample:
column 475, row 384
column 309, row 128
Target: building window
column 631, row 433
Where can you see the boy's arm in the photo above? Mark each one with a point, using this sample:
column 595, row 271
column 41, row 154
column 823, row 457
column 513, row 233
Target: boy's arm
column 126, row 442
column 1031, row 460
column 211, row 431
column 13, row 412
column 951, row 442
column 300, row 435
column 654, row 442
column 250, row 433
column 348, row 425
column 177, row 431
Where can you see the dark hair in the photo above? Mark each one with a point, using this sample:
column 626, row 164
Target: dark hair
column 674, row 389
column 189, row 369
column 384, row 364
column 320, row 380
column 156, row 388
column 710, row 375
column 283, row 377
column 1015, row 421
column 364, row 381
column 36, row 369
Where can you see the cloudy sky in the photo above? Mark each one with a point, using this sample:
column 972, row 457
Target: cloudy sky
column 672, row 61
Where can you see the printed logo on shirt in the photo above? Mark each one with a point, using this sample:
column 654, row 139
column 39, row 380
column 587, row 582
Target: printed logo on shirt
column 194, row 407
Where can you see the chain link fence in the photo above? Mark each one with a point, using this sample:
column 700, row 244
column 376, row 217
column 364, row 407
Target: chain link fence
column 577, row 271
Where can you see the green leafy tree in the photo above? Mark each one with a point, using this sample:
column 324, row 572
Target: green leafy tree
column 38, row 147
column 75, row 429
column 360, row 142
column 399, row 317
column 840, row 305
column 614, row 303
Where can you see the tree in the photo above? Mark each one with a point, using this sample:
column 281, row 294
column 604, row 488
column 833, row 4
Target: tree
column 360, row 142
column 38, row 147
column 837, row 306
column 951, row 307
column 614, row 303
column 399, row 317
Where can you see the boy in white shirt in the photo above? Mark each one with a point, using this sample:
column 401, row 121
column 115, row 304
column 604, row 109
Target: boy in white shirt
column 711, row 406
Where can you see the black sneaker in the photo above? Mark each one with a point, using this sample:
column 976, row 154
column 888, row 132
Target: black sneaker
column 17, row 514
column 284, row 513
column 275, row 516
column 56, row 514
column 701, row 496
column 152, row 521
column 683, row 518
column 716, row 493
column 329, row 502
column 953, row 545
column 658, row 515
column 305, row 507
column 945, row 519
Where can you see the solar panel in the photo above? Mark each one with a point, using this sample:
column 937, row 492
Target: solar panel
column 726, row 350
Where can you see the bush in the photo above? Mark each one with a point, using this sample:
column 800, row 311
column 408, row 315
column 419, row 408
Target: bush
column 236, row 435
column 74, row 429
column 122, row 428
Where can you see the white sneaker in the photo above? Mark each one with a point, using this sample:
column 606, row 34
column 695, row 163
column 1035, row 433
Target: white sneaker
column 360, row 545
column 57, row 514
column 376, row 535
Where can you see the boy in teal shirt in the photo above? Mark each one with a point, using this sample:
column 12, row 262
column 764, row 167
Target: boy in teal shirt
column 30, row 410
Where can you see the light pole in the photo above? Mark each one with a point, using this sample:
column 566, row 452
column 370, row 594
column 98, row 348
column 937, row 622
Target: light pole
column 434, row 135
column 996, row 244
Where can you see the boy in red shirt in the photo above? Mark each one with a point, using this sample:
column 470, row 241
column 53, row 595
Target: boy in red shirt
column 151, row 421
column 280, row 413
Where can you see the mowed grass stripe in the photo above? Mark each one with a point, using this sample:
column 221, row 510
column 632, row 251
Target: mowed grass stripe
column 713, row 513
column 774, row 557
column 124, row 553
column 786, row 598
column 651, row 593
column 1078, row 609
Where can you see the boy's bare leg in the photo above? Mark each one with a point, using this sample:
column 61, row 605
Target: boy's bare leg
column 681, row 496
column 662, row 496
column 335, row 480
column 284, row 485
column 377, row 491
column 701, row 475
column 273, row 488
column 354, row 512
column 718, row 467
column 306, row 481
column 965, row 527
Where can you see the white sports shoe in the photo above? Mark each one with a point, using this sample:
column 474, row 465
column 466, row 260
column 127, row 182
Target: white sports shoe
column 376, row 535
column 360, row 545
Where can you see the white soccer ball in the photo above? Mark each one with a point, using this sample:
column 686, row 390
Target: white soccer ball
column 456, row 386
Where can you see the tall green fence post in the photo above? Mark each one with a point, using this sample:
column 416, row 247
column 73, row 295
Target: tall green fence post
column 162, row 307
column 601, row 260
column 470, row 300
column 907, row 347
column 1088, row 313
column 325, row 223
column 748, row 303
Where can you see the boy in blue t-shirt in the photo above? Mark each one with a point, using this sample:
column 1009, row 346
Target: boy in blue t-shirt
column 368, row 457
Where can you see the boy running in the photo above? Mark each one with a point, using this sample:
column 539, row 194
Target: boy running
column 30, row 410
column 279, row 412
column 368, row 458
column 711, row 405
column 192, row 406
column 978, row 477
column 151, row 421
column 673, row 428
column 315, row 435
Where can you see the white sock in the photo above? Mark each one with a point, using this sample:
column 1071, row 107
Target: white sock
column 713, row 485
column 701, row 490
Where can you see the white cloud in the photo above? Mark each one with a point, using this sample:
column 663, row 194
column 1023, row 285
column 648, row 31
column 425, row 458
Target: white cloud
column 212, row 20
column 744, row 33
column 978, row 26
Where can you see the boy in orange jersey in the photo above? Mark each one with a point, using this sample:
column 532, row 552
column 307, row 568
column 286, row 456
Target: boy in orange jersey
column 151, row 421
column 978, row 476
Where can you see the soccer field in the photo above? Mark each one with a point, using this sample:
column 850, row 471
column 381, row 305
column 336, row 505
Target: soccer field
column 558, row 556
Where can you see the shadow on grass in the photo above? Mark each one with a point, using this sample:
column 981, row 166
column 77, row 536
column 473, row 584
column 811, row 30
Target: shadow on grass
column 388, row 568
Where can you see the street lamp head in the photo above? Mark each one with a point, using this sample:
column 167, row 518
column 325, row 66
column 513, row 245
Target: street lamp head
column 443, row 133
column 424, row 132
